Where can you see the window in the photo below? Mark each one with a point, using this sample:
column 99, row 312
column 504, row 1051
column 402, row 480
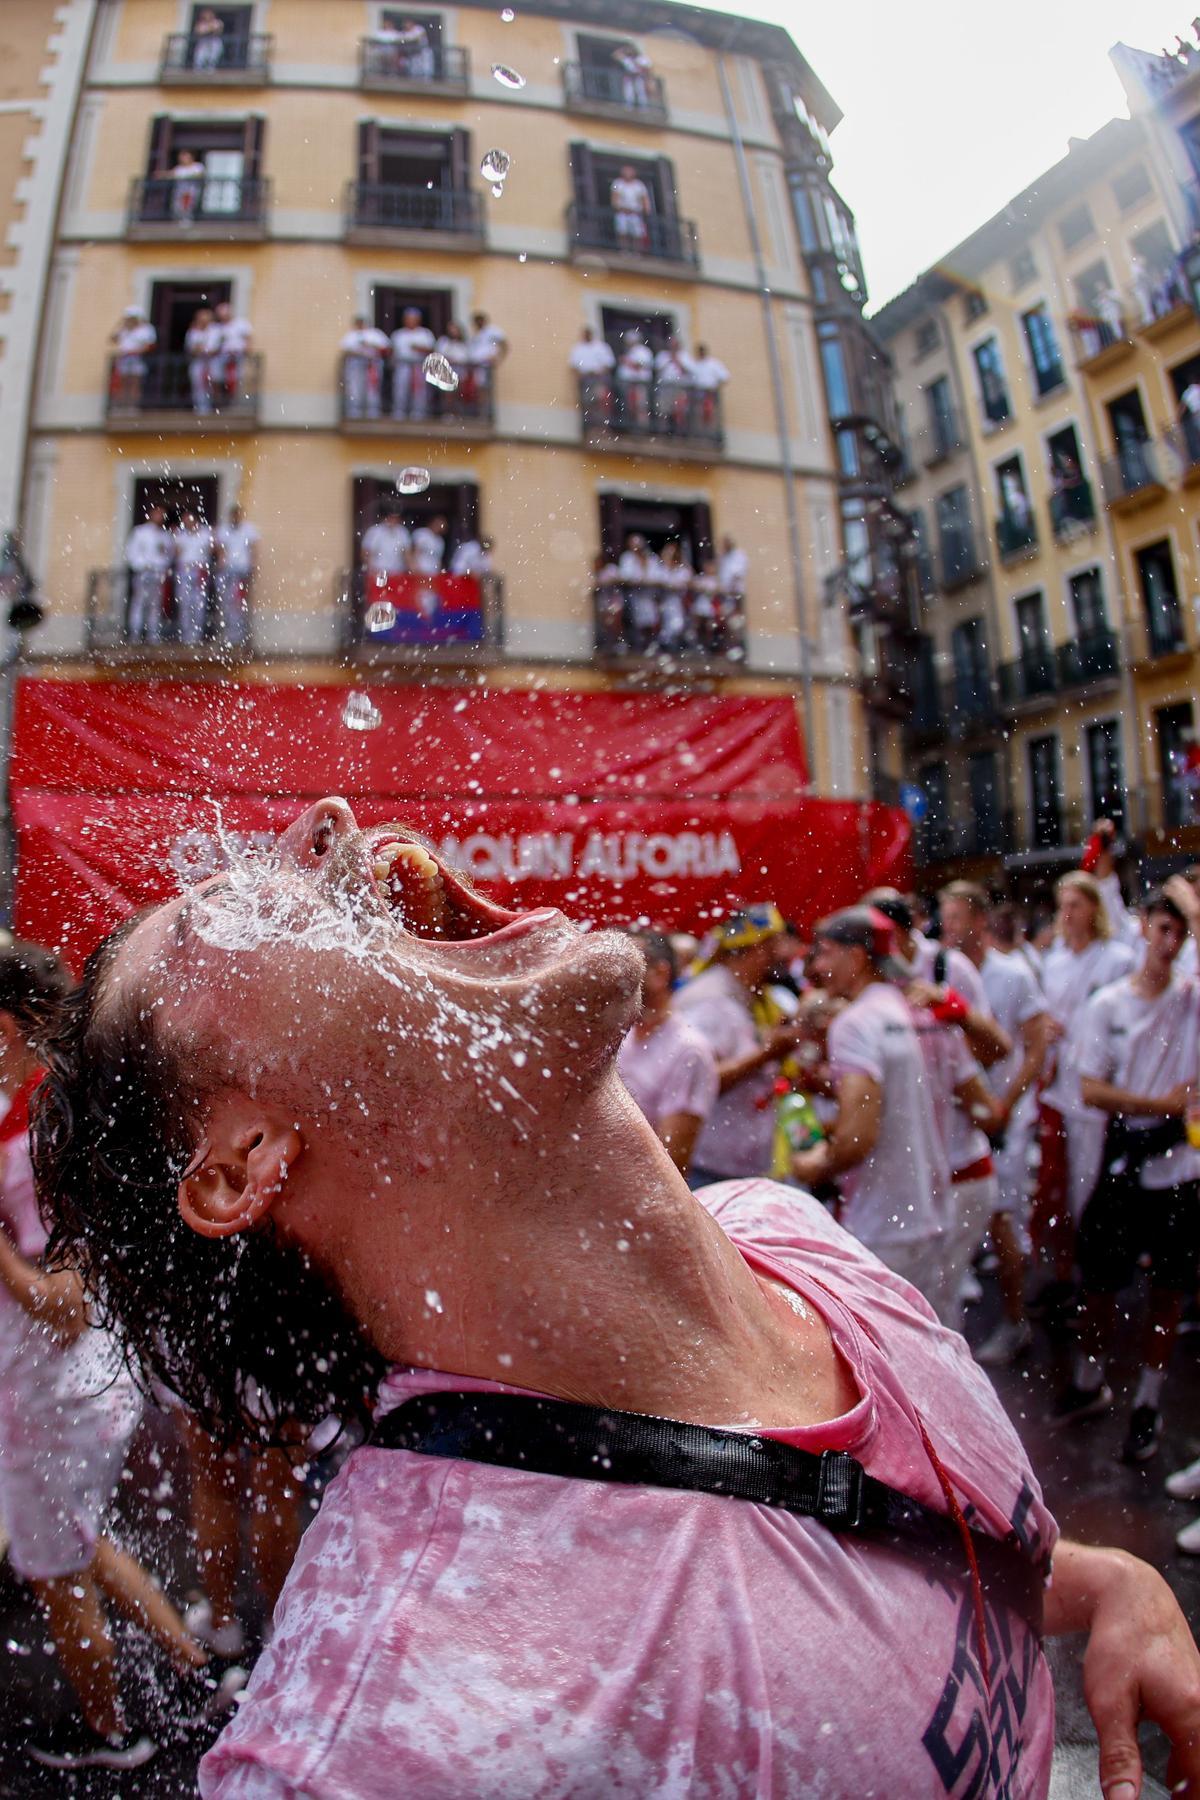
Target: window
column 227, row 49
column 1091, row 285
column 1106, row 778
column 943, row 427
column 660, row 522
column 1016, row 528
column 1086, row 592
column 1072, row 504
column 920, row 533
column 935, row 826
column 173, row 306
column 456, row 502
column 177, row 495
column 983, row 778
column 1045, row 793
column 598, row 224
column 972, row 671
column 1077, row 225
column 1043, row 349
column 1023, row 267
column 1177, row 763
column 603, row 76
column 928, row 337
column 1160, row 598
column 435, row 305
column 974, row 304
column 992, row 387
column 1033, row 635
column 1131, row 186
column 227, row 184
column 959, row 562
column 837, row 377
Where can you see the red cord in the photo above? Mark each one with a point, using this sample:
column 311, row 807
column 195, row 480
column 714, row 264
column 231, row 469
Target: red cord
column 956, row 1513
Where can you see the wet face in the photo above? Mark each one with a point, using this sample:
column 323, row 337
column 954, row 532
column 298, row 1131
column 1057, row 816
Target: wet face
column 1164, row 935
column 352, row 968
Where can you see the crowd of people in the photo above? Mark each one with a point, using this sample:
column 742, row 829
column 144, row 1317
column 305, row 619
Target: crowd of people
column 191, row 584
column 392, row 547
column 656, row 603
column 1032, row 1100
column 386, row 374
column 215, row 347
column 670, row 392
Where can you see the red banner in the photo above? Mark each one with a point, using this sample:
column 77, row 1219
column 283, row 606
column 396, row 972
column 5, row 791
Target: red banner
column 615, row 807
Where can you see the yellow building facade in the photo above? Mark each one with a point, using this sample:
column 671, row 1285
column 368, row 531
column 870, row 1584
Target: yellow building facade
column 341, row 179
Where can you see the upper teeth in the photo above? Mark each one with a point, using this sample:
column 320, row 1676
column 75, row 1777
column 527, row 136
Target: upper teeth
column 410, row 879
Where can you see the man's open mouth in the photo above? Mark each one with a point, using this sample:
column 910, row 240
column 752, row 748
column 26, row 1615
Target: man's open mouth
column 428, row 899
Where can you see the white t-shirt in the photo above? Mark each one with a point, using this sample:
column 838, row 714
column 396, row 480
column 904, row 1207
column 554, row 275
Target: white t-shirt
column 456, row 352
column 1069, row 979
column 736, row 1137
column 633, row 567
column 899, row 1193
column 594, row 358
column 637, row 362
column 203, row 340
column 135, row 340
column 365, row 341
column 412, row 343
column 471, row 559
column 1014, row 998
column 385, row 548
column 236, row 544
column 194, row 548
column 1147, row 1047
column 731, row 570
column 630, row 196
column 188, row 172
column 428, row 551
column 673, row 365
column 671, row 1071
column 709, row 372
column 486, row 344
column 961, row 973
column 149, row 547
column 236, row 335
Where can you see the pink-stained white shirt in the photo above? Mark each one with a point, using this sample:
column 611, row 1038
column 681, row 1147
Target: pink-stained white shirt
column 451, row 1631
column 672, row 1071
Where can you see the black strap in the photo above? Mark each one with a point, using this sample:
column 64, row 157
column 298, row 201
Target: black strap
column 589, row 1443
column 940, row 964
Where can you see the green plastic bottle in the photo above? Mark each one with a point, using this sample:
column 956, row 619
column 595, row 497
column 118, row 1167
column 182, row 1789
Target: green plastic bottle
column 797, row 1127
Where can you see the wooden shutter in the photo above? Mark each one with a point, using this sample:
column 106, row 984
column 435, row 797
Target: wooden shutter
column 668, row 201
column 612, row 525
column 702, row 532
column 583, row 174
column 160, row 159
column 367, row 489
column 460, row 160
column 368, row 151
column 252, row 146
column 464, row 521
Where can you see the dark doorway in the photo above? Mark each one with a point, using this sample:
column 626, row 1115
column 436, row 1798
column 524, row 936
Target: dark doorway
column 660, row 522
column 435, row 305
column 1176, row 749
column 655, row 328
column 457, row 501
column 176, row 494
column 173, row 306
column 398, row 16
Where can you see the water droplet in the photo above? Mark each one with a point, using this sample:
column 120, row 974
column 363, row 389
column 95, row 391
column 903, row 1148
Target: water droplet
column 414, row 480
column 360, row 713
column 433, row 1301
column 497, row 190
column 523, row 257
column 495, row 165
column 381, row 616
column 507, row 77
column 507, row 15
column 439, row 373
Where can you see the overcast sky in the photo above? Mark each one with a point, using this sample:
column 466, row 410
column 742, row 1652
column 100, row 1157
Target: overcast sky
column 952, row 107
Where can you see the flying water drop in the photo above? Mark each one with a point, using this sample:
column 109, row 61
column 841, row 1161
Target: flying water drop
column 495, row 165
column 433, row 1301
column 498, row 191
column 507, row 77
column 507, row 15
column 360, row 713
column 439, row 373
column 381, row 616
column 414, row 480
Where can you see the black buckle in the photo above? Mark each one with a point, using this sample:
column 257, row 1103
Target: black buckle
column 839, row 1490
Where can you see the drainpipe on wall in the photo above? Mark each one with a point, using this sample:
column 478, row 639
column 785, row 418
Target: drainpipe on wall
column 775, row 364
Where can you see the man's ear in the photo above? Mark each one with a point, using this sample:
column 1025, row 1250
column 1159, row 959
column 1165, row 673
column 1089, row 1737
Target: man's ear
column 241, row 1166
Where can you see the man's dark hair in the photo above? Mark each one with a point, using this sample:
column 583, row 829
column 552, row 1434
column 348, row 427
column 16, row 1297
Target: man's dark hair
column 657, row 948
column 33, row 985
column 1159, row 901
column 242, row 1328
column 1004, row 924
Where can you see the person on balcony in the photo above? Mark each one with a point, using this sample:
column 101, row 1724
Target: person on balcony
column 635, row 374
column 411, row 344
column 453, row 346
column 640, row 570
column 672, row 391
column 731, row 571
column 234, row 340
column 201, row 345
column 208, row 40
column 237, row 553
column 385, row 547
column 1189, row 420
column 384, row 52
column 706, row 610
column 636, row 69
column 364, row 352
column 631, row 205
column 187, row 187
column 416, row 51
column 709, row 376
column 473, row 557
column 194, row 551
column 1015, row 502
column 428, row 553
column 134, row 338
column 488, row 346
column 608, row 600
column 149, row 554
column 593, row 361
column 1111, row 308
column 675, row 575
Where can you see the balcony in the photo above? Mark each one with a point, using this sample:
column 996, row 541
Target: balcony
column 660, row 244
column 960, row 561
column 1184, row 442
column 395, row 400
column 420, row 618
column 413, row 217
column 655, row 418
column 1169, row 306
column 1073, row 510
column 1131, row 478
column 234, row 59
column 1030, row 681
column 939, row 840
column 173, row 394
column 208, row 209
column 1099, row 342
column 609, row 93
column 149, row 617
column 1162, row 631
column 944, row 439
column 1016, row 538
column 644, row 624
column 969, row 706
column 1088, row 660
column 386, row 67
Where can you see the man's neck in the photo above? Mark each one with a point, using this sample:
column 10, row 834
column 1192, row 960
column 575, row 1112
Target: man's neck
column 575, row 1262
column 1152, row 979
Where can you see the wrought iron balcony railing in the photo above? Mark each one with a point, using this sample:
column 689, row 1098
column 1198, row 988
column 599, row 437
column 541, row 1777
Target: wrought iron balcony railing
column 648, row 622
column 384, row 66
column 199, row 205
column 213, row 391
column 175, row 614
column 403, row 616
column 633, row 94
column 653, row 237
column 1132, row 470
column 1015, row 536
column 652, row 411
column 1072, row 508
column 226, row 59
column 376, row 207
column 382, row 394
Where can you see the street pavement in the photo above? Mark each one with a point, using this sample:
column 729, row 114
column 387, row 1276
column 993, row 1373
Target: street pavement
column 1094, row 1496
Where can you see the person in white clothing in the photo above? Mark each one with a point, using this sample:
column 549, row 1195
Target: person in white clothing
column 412, row 342
column 237, row 554
column 884, row 1147
column 473, row 557
column 629, row 198
column 487, row 347
column 386, row 545
column 208, row 40
column 636, row 68
column 194, row 550
column 1138, row 1062
column 640, row 569
column 200, row 346
column 672, row 388
column 608, row 602
column 428, row 552
column 416, row 51
column 187, row 187
column 593, row 360
column 709, row 376
column 665, row 1063
column 1018, row 1007
column 732, row 566
column 134, row 339
column 706, row 607
column 364, row 351
column 635, row 373
column 942, row 978
column 235, row 336
column 149, row 554
column 675, row 575
column 383, row 51
column 453, row 346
